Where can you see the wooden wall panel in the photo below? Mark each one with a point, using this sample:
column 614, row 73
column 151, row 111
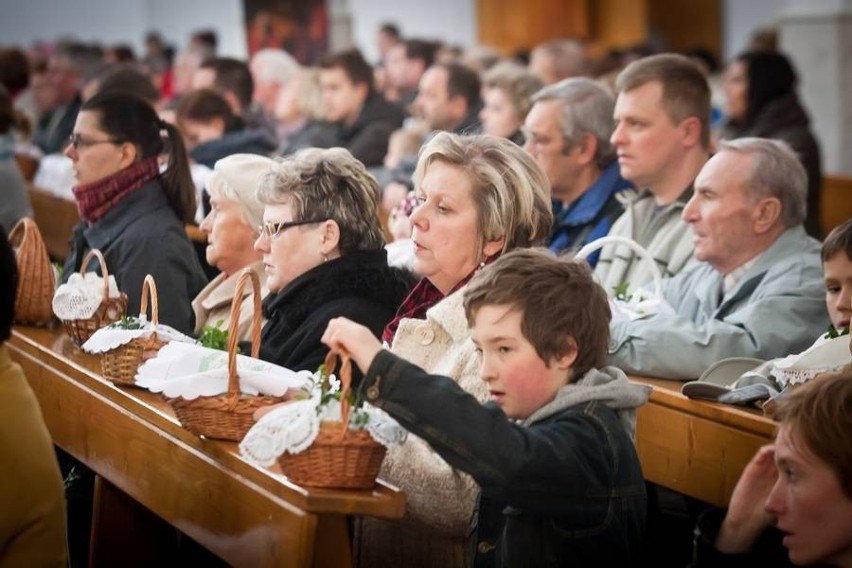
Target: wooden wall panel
column 510, row 25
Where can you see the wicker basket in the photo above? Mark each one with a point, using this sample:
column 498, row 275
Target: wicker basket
column 119, row 365
column 339, row 457
column 228, row 416
column 110, row 310
column 37, row 279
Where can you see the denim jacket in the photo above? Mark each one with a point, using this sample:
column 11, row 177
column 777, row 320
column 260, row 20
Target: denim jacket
column 562, row 488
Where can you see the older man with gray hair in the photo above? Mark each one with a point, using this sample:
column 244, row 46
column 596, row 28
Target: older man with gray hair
column 567, row 133
column 758, row 290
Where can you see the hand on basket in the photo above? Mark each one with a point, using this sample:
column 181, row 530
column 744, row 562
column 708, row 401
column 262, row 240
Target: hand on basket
column 747, row 518
column 345, row 336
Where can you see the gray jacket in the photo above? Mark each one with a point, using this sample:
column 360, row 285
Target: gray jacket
column 776, row 308
column 662, row 232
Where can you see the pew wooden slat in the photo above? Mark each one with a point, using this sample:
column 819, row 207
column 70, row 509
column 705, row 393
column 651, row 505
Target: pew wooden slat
column 248, row 516
column 56, row 218
column 836, row 201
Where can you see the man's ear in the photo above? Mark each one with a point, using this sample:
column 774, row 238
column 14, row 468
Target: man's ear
column 691, row 131
column 586, row 149
column 766, row 213
column 330, row 237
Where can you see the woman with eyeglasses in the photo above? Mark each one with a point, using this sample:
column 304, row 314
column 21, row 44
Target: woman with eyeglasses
column 323, row 251
column 130, row 210
column 231, row 229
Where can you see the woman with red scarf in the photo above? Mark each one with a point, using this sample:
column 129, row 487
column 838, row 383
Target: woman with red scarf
column 130, row 210
column 478, row 197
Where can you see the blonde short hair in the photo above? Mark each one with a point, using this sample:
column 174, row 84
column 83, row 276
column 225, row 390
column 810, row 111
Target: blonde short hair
column 511, row 193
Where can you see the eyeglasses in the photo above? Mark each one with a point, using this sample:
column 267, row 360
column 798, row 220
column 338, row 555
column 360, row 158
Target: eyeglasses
column 75, row 140
column 270, row 229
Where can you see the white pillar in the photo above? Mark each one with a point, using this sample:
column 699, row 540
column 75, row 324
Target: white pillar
column 817, row 35
column 340, row 25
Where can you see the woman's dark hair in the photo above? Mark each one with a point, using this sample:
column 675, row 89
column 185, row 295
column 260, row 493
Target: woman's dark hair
column 770, row 76
column 204, row 105
column 8, row 285
column 127, row 118
column 10, row 117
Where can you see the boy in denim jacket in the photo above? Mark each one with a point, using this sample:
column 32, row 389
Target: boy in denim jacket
column 552, row 450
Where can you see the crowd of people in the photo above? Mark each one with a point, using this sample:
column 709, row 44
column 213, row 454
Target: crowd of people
column 477, row 328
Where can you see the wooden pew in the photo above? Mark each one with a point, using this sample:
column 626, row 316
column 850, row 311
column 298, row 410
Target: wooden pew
column 130, row 438
column 56, row 218
column 836, row 202
column 695, row 447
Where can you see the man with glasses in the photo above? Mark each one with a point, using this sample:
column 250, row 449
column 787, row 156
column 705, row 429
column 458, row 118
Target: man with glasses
column 567, row 133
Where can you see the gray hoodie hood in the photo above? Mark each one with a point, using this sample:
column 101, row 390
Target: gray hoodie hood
column 609, row 386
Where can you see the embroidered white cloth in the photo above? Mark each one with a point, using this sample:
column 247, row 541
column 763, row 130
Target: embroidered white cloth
column 112, row 336
column 190, row 371
column 293, row 427
column 824, row 355
column 81, row 296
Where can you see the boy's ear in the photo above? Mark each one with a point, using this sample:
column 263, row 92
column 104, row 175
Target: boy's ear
column 566, row 360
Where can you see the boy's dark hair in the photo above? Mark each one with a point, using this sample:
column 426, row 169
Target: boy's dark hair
column 353, row 64
column 204, row 105
column 232, row 76
column 838, row 240
column 557, row 297
column 8, row 285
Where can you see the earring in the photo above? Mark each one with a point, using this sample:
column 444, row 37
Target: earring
column 325, row 258
column 481, row 265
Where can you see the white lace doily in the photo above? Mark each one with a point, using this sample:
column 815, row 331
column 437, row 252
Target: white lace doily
column 81, row 296
column 190, row 371
column 294, row 426
column 109, row 337
column 824, row 355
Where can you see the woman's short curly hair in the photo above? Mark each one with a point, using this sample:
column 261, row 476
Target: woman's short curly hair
column 329, row 184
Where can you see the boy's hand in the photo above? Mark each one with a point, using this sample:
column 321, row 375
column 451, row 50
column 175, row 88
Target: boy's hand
column 345, row 336
column 747, row 518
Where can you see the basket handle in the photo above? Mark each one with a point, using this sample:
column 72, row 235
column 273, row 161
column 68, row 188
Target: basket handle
column 25, row 225
column 635, row 247
column 149, row 288
column 247, row 275
column 345, row 377
column 104, row 273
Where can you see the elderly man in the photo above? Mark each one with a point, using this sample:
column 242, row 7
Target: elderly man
column 567, row 133
column 758, row 290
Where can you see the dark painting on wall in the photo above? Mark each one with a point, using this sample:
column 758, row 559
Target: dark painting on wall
column 298, row 26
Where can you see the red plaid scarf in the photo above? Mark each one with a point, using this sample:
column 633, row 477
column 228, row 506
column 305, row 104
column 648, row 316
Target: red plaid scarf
column 423, row 296
column 96, row 198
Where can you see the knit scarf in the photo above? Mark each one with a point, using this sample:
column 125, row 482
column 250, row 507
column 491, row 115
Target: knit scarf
column 95, row 199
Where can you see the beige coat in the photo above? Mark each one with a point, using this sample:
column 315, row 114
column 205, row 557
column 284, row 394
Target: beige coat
column 440, row 501
column 213, row 303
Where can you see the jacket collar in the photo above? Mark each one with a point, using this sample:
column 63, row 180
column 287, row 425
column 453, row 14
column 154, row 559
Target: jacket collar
column 222, row 294
column 707, row 291
column 144, row 201
column 589, row 205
